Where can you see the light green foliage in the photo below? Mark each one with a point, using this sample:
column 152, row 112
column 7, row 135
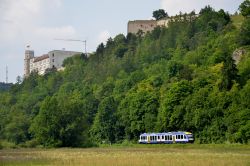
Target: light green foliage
column 168, row 117
column 138, row 110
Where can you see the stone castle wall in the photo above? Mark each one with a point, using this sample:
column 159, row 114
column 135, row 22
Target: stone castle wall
column 144, row 25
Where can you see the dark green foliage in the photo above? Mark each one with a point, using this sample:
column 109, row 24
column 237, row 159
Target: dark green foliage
column 104, row 126
column 61, row 121
column 159, row 14
column 4, row 86
column 181, row 77
column 244, row 35
column 229, row 73
column 245, row 8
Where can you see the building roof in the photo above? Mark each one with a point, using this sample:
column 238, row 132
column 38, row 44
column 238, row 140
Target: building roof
column 40, row 58
column 64, row 51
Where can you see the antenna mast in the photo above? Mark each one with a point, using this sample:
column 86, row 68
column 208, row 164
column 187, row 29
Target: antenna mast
column 6, row 74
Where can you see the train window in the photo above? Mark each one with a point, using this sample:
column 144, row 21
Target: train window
column 166, row 137
column 158, row 137
column 150, row 138
column 162, row 137
column 170, row 138
column 155, row 137
column 181, row 136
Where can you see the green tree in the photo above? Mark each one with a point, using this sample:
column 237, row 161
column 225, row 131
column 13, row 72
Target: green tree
column 138, row 110
column 16, row 130
column 172, row 98
column 245, row 8
column 244, row 35
column 229, row 73
column 159, row 14
column 104, row 126
column 61, row 121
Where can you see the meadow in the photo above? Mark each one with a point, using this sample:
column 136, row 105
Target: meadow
column 137, row 155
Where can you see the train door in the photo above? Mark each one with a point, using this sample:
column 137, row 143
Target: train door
column 173, row 139
column 148, row 139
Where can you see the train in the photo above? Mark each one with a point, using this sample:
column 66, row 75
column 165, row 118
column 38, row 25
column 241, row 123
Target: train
column 166, row 138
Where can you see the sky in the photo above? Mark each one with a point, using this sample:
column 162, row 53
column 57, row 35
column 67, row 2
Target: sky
column 38, row 22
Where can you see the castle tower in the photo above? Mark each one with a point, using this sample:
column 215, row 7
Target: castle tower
column 29, row 54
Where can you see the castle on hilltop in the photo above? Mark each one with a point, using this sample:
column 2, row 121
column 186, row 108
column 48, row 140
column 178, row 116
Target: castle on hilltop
column 149, row 25
column 54, row 59
column 146, row 25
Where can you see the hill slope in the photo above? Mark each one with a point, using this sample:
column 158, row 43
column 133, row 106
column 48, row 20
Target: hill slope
column 178, row 78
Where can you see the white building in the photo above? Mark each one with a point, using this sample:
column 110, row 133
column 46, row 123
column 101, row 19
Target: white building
column 54, row 59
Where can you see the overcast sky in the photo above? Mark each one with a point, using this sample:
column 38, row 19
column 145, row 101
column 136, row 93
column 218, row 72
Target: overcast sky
column 39, row 22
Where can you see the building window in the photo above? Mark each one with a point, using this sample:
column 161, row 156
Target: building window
column 53, row 55
column 53, row 60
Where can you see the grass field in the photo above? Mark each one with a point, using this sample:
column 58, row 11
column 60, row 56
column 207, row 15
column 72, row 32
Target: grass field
column 146, row 155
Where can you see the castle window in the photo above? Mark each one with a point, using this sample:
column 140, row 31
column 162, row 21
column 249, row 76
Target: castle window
column 53, row 54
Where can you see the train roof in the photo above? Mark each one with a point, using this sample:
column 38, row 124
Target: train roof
column 167, row 133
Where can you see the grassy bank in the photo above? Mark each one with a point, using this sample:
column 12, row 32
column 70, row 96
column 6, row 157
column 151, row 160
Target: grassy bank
column 125, row 156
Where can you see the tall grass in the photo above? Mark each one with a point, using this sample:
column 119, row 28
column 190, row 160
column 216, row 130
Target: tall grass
column 142, row 155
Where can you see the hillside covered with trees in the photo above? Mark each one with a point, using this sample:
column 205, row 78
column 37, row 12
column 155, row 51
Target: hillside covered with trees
column 179, row 78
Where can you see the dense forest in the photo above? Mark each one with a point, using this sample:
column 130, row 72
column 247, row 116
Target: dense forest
column 5, row 86
column 183, row 77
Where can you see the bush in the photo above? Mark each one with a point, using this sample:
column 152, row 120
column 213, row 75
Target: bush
column 30, row 144
column 1, row 146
